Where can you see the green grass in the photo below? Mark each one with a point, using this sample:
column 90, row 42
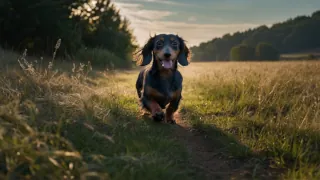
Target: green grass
column 270, row 109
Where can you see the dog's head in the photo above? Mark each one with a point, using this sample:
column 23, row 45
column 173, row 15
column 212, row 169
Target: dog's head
column 167, row 50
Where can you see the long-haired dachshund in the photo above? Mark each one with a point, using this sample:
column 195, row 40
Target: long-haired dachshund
column 161, row 84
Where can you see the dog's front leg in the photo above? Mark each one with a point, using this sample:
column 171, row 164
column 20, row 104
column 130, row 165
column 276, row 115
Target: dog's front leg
column 157, row 113
column 154, row 108
column 173, row 107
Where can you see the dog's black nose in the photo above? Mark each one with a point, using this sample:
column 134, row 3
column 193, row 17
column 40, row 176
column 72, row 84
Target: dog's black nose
column 167, row 55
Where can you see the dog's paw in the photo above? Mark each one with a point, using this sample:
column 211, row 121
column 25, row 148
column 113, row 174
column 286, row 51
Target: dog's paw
column 159, row 116
column 171, row 121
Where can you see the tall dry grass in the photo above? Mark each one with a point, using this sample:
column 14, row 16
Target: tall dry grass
column 57, row 124
column 271, row 108
column 28, row 99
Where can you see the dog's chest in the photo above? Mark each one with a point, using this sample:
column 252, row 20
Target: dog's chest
column 163, row 85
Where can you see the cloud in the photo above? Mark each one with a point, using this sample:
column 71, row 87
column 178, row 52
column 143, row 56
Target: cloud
column 161, row 2
column 192, row 18
column 128, row 5
column 145, row 22
column 135, row 11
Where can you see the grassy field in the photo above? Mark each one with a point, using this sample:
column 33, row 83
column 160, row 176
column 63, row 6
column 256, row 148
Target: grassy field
column 264, row 113
column 237, row 120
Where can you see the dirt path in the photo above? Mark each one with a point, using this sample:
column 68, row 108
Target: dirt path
column 203, row 154
column 206, row 156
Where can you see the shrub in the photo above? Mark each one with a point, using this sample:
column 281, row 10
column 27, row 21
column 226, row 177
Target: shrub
column 101, row 57
column 265, row 51
column 311, row 57
column 242, row 52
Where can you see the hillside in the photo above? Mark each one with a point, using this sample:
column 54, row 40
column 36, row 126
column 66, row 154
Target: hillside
column 294, row 35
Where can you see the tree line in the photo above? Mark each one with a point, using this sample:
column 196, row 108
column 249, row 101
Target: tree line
column 293, row 35
column 36, row 25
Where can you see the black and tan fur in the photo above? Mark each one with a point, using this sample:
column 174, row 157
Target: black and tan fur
column 159, row 86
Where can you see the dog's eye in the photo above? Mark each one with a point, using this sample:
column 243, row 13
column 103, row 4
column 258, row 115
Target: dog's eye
column 159, row 44
column 174, row 43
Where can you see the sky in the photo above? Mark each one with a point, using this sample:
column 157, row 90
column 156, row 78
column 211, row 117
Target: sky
column 202, row 20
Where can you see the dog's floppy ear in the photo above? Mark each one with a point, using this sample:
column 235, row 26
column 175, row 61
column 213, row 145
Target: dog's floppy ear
column 146, row 52
column 184, row 56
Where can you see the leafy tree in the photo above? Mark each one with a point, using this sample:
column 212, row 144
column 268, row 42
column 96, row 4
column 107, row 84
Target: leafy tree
column 265, row 51
column 242, row 52
column 316, row 14
column 38, row 24
column 103, row 27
